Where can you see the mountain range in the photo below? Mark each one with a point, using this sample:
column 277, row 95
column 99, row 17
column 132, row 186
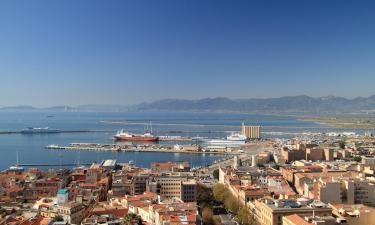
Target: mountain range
column 287, row 104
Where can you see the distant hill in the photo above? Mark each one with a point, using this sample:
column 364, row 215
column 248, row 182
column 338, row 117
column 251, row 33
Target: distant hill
column 63, row 108
column 103, row 108
column 18, row 108
column 288, row 104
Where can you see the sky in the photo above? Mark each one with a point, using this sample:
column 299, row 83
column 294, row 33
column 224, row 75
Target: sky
column 72, row 52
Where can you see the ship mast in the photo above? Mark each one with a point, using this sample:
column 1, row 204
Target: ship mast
column 17, row 160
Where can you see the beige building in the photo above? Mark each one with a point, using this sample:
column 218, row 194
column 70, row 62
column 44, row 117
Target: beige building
column 71, row 212
column 327, row 190
column 268, row 211
column 359, row 191
column 177, row 187
column 251, row 132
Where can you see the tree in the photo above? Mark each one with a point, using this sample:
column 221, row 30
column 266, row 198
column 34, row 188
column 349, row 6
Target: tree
column 207, row 215
column 244, row 216
column 231, row 204
column 220, row 192
column 216, row 174
column 204, row 196
column 358, row 158
column 58, row 218
column 342, row 144
column 130, row 219
column 276, row 166
column 216, row 220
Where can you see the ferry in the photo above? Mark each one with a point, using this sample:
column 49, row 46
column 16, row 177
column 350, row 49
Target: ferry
column 39, row 130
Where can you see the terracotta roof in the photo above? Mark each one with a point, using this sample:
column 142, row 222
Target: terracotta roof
column 145, row 195
column 117, row 211
column 45, row 221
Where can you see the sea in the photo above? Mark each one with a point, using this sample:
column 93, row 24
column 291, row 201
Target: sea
column 30, row 149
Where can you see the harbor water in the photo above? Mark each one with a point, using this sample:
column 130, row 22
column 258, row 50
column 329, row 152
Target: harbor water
column 100, row 127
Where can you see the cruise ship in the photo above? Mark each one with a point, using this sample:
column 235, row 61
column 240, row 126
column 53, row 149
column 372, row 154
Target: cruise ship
column 232, row 140
column 39, row 130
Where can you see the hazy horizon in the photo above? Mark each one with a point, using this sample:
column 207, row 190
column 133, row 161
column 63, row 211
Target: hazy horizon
column 128, row 52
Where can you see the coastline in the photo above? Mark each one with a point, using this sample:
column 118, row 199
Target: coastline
column 344, row 122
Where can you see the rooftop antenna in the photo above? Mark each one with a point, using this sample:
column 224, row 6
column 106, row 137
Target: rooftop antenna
column 146, row 128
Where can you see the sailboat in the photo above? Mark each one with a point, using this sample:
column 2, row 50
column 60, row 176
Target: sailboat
column 16, row 167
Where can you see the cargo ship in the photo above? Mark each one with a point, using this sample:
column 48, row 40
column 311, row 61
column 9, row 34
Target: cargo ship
column 39, row 130
column 127, row 136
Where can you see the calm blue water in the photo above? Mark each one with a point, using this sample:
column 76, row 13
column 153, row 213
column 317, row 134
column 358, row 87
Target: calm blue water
column 31, row 149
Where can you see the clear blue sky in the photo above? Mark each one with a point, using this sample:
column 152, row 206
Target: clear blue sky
column 122, row 52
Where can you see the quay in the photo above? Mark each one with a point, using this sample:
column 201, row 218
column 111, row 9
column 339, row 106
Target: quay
column 189, row 149
column 53, row 165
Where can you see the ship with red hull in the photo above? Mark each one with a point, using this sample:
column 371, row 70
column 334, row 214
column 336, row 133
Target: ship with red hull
column 126, row 136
